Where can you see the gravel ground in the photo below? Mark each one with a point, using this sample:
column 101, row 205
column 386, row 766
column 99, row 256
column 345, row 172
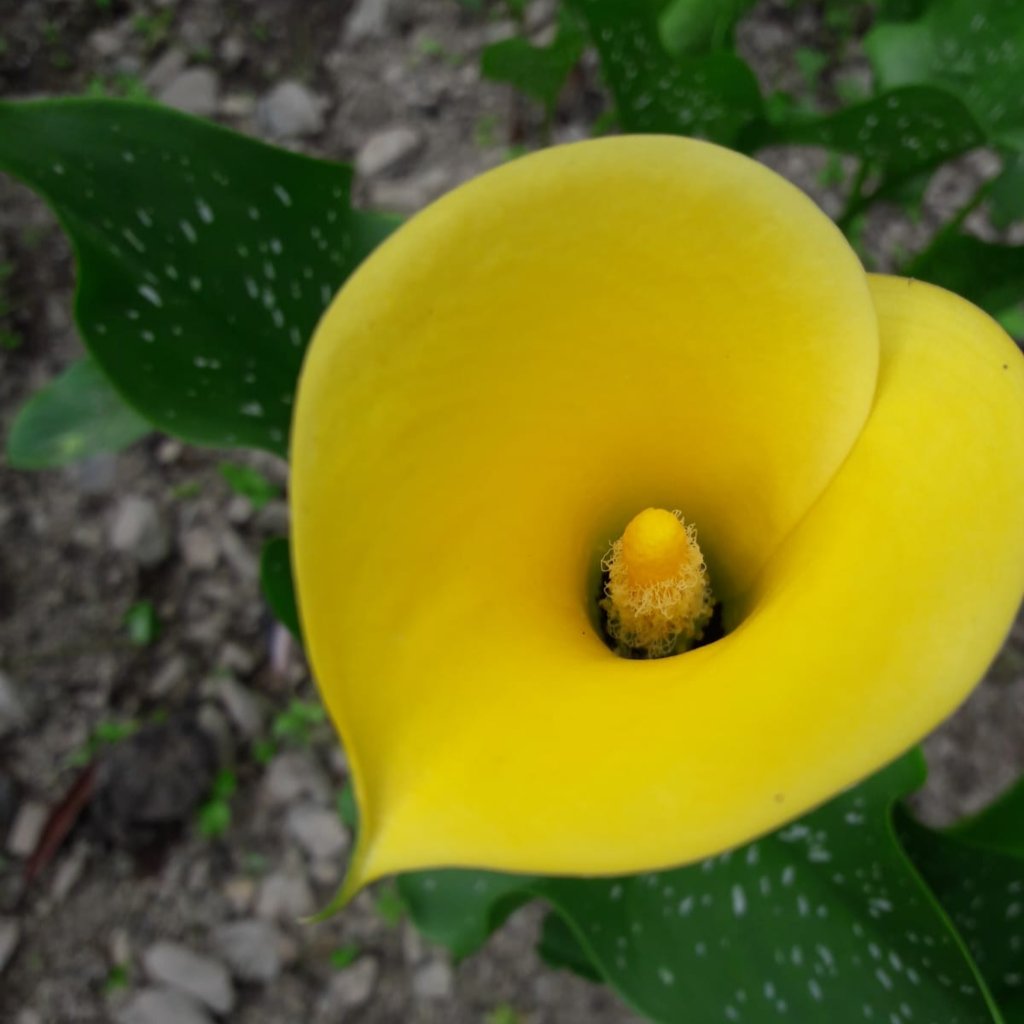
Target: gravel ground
column 140, row 918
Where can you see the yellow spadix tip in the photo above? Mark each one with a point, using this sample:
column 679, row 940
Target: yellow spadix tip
column 657, row 595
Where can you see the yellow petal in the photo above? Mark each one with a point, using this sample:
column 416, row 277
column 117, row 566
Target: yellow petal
column 872, row 622
column 554, row 347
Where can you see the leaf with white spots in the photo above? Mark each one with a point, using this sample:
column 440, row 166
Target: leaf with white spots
column 711, row 96
column 977, row 873
column 903, row 132
column 822, row 920
column 204, row 258
column 972, row 48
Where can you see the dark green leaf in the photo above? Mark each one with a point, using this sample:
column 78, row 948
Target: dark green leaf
column 559, row 948
column 278, row 585
column 249, row 482
column 141, row 623
column 459, row 909
column 902, row 133
column 204, row 257
column 1012, row 321
column 972, row 48
column 691, row 27
column 989, row 275
column 76, row 415
column 348, row 809
column 1000, row 827
column 981, row 887
column 823, row 920
column 713, row 96
column 538, row 71
column 1006, row 194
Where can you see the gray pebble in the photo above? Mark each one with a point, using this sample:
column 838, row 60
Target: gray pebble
column 139, row 531
column 251, row 949
column 318, row 831
column 290, row 111
column 433, row 980
column 388, row 152
column 162, row 1006
column 10, row 934
column 194, row 91
column 201, row 977
column 27, row 828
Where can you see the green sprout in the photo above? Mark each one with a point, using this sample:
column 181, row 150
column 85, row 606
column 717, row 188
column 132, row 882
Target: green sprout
column 249, row 483
column 214, row 815
column 344, row 955
column 142, row 624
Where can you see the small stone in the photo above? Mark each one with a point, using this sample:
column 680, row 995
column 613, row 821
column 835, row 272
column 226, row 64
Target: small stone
column 231, row 51
column 194, row 91
column 120, row 947
column 201, row 977
column 236, row 658
column 214, row 723
column 349, row 989
column 169, row 676
column 10, row 934
column 408, row 195
column 238, row 105
column 27, row 828
column 238, row 555
column 165, row 69
column 368, row 20
column 94, row 476
column 273, row 518
column 250, row 949
column 284, row 896
column 413, row 947
column 12, row 711
column 241, row 706
column 318, row 831
column 388, row 152
column 433, row 980
column 107, row 42
column 294, row 774
column 199, row 548
column 162, row 1006
column 139, row 531
column 68, row 872
column 339, row 762
column 239, row 510
column 290, row 111
column 239, row 892
column 169, row 451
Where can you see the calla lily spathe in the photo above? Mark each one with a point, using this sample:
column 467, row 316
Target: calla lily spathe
column 569, row 339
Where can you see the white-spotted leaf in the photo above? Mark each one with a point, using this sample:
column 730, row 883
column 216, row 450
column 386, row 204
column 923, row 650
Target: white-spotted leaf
column 824, row 920
column 204, row 258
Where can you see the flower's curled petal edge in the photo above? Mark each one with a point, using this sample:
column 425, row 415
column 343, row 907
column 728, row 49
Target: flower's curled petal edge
column 871, row 624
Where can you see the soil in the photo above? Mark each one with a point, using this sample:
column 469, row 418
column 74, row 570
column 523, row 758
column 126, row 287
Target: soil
column 136, row 868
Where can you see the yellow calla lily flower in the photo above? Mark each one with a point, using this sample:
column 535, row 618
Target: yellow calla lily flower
column 581, row 335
